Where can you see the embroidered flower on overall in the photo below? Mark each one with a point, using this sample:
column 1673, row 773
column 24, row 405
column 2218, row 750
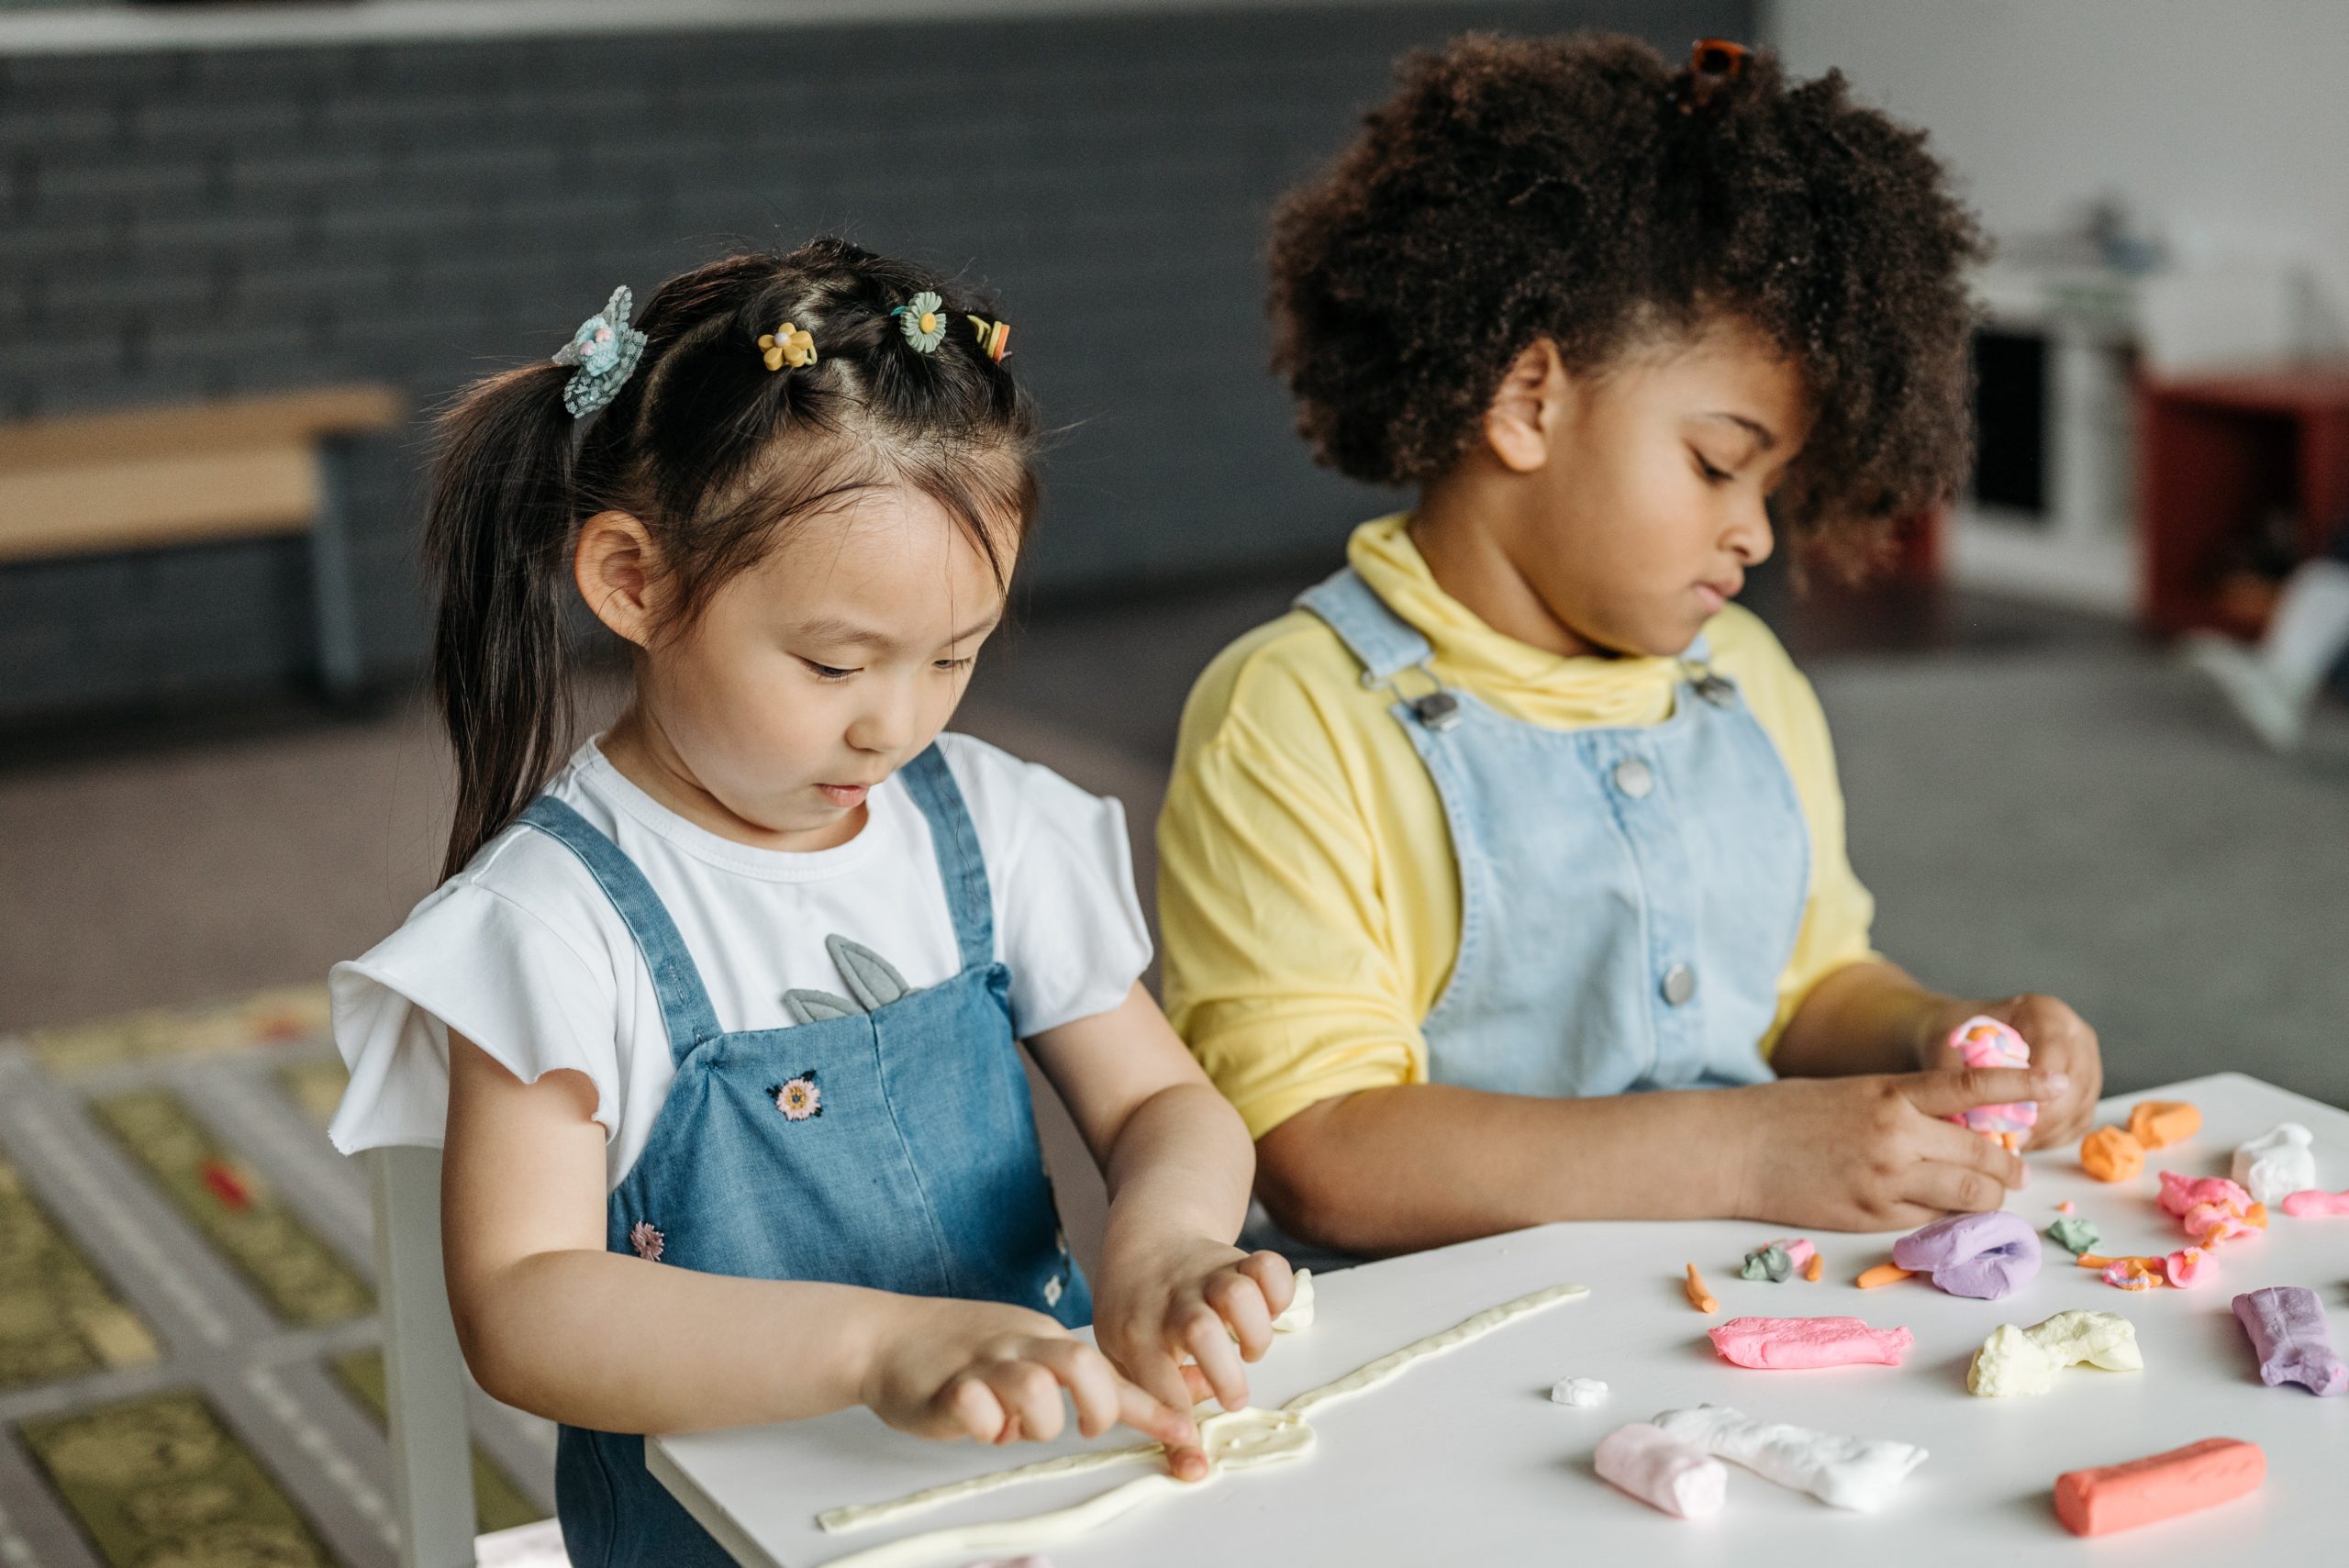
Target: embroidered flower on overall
column 919, row 320
column 646, row 1240
column 800, row 1098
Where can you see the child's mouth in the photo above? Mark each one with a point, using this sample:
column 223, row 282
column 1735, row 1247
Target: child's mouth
column 844, row 795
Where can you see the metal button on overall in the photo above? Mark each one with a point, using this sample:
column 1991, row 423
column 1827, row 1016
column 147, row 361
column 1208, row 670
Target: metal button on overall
column 1679, row 984
column 1634, row 778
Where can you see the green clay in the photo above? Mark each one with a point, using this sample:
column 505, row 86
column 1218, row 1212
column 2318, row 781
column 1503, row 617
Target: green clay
column 1770, row 1263
column 2074, row 1235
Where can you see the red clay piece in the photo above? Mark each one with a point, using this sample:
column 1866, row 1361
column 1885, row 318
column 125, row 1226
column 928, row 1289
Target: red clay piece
column 2160, row 1487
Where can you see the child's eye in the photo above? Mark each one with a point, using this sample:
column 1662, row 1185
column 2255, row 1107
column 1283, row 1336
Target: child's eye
column 1712, row 475
column 828, row 671
column 961, row 663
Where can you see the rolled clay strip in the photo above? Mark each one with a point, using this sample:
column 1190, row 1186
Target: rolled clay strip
column 2161, row 1486
column 1883, row 1274
column 2315, row 1204
column 2287, row 1325
column 1661, row 1471
column 1984, row 1256
column 1298, row 1313
column 2157, row 1124
column 1858, row 1473
column 2277, row 1163
column 1787, row 1345
column 2111, row 1154
column 1698, row 1296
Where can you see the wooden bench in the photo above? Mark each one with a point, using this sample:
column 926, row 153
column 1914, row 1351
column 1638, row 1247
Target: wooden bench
column 256, row 467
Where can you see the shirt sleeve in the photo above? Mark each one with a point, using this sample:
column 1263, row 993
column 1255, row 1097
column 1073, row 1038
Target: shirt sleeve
column 1069, row 925
column 1283, row 972
column 472, row 960
column 1838, row 911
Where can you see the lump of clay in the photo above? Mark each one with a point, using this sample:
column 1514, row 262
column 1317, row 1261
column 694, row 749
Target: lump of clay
column 2075, row 1235
column 2111, row 1154
column 1778, row 1260
column 2277, row 1163
column 2157, row 1124
column 1858, row 1473
column 1663, row 1471
column 1299, row 1313
column 1580, row 1391
column 2025, row 1360
column 2287, row 1325
column 2163, row 1486
column 1986, row 1043
column 2315, row 1203
column 2211, row 1210
column 1984, row 1256
column 1785, row 1344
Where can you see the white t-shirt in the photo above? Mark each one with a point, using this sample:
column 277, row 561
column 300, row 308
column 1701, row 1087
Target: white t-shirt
column 524, row 954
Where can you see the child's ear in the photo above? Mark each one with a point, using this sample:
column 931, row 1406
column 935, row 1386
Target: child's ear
column 1525, row 415
column 614, row 568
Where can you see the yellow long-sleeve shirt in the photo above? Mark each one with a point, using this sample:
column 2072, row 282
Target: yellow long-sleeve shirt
column 1309, row 902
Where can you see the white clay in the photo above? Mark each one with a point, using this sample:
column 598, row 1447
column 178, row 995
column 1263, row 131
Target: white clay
column 1858, row 1473
column 2277, row 1163
column 1663, row 1471
column 1299, row 1313
column 2025, row 1360
column 1236, row 1440
column 1582, row 1392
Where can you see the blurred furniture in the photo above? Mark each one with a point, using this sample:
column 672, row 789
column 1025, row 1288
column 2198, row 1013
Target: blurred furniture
column 100, row 484
column 2221, row 454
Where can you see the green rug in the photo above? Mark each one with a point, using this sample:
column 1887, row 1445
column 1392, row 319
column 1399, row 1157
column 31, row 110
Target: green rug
column 190, row 1367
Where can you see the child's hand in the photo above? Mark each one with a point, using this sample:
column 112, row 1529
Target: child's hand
column 952, row 1369
column 2061, row 1041
column 1161, row 1302
column 1873, row 1153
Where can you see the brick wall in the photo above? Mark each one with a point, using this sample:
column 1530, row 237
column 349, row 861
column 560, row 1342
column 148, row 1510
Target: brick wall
column 179, row 225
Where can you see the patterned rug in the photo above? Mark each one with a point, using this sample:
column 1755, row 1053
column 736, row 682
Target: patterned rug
column 190, row 1364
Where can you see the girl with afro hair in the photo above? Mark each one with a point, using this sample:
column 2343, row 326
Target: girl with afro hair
column 1503, row 881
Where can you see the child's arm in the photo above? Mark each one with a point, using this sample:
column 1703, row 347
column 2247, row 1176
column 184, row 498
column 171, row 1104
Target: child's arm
column 1872, row 1017
column 1179, row 1165
column 554, row 1323
column 1424, row 1165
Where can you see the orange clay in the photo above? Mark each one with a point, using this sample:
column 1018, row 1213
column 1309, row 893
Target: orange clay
column 1698, row 1296
column 2122, row 1496
column 2111, row 1154
column 1813, row 1269
column 2012, row 1142
column 1883, row 1273
column 2157, row 1124
column 2256, row 1215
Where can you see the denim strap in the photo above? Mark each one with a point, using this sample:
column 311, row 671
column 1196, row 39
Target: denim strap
column 684, row 1001
column 960, row 866
column 1383, row 641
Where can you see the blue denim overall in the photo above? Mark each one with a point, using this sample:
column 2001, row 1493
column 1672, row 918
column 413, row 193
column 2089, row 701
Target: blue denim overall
column 1629, row 895
column 893, row 1149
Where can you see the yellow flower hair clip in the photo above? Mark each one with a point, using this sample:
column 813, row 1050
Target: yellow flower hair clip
column 994, row 336
column 787, row 345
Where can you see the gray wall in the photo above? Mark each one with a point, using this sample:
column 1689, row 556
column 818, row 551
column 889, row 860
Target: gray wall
column 194, row 223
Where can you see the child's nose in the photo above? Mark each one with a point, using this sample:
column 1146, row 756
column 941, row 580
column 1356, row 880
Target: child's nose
column 886, row 726
column 1750, row 537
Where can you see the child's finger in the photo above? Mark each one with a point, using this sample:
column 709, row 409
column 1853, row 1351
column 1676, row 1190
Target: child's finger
column 1195, row 1384
column 1153, row 1417
column 1949, row 1144
column 970, row 1406
column 1952, row 1189
column 1948, row 1093
column 1239, row 1301
column 1202, row 1332
column 1272, row 1274
column 1091, row 1382
column 1031, row 1396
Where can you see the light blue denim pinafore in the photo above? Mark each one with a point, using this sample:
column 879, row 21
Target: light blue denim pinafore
column 893, row 1148
column 1629, row 896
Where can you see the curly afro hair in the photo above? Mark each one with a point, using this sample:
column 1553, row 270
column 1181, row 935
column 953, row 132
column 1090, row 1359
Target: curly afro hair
column 1516, row 189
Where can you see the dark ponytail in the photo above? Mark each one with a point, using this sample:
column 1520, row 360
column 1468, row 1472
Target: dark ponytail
column 688, row 446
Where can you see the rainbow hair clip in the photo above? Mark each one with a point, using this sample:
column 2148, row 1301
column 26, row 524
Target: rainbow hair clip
column 995, row 337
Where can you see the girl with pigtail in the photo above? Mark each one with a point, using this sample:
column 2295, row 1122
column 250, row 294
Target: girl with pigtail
column 715, row 1015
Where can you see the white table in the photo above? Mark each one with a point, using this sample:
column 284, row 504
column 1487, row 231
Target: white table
column 1466, row 1459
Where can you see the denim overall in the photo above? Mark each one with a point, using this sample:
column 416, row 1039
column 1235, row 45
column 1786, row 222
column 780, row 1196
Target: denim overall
column 1629, row 895
column 893, row 1149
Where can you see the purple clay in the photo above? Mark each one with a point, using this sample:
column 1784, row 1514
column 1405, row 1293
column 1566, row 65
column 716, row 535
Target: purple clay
column 2287, row 1325
column 1984, row 1256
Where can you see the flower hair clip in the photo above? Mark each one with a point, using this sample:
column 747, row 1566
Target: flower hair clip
column 995, row 337
column 787, row 345
column 605, row 349
column 919, row 320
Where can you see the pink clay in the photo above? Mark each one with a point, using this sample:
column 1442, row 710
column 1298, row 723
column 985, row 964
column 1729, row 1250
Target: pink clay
column 2181, row 1193
column 2190, row 1267
column 1987, row 1042
column 2315, row 1203
column 1786, row 1344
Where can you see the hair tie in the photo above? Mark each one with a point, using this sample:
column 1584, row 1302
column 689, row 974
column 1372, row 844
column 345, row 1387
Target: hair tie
column 787, row 345
column 919, row 320
column 606, row 348
column 994, row 336
column 1713, row 64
